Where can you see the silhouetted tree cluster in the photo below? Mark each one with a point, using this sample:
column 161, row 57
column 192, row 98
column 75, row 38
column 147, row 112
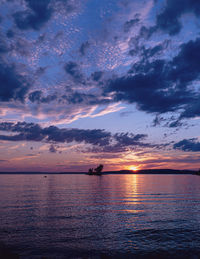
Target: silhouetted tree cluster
column 96, row 171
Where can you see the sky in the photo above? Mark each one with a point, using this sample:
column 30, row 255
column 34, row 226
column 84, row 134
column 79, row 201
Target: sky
column 84, row 82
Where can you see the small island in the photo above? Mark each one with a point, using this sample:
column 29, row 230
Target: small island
column 96, row 171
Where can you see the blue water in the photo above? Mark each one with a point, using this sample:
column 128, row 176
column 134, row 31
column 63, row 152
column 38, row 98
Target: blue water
column 109, row 216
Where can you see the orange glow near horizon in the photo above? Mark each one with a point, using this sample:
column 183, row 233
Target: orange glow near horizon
column 133, row 168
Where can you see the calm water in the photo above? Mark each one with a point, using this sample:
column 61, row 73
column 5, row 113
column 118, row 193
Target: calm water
column 112, row 216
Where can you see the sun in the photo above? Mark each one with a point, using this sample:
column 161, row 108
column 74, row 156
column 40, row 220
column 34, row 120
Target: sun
column 133, row 168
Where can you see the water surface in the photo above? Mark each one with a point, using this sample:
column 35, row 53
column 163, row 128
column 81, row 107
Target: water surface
column 109, row 216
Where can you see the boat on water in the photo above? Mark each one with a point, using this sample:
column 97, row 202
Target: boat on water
column 97, row 171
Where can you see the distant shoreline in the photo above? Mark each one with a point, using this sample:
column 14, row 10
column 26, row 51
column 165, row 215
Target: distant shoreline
column 121, row 172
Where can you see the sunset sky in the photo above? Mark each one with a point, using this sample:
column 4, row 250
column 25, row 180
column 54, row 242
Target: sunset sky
column 84, row 82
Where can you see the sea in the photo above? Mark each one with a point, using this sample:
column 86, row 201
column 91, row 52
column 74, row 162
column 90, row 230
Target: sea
column 108, row 216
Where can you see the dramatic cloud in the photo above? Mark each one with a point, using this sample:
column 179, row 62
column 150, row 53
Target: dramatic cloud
column 144, row 88
column 73, row 70
column 185, row 66
column 192, row 110
column 35, row 17
column 167, row 82
column 13, row 85
column 103, row 140
column 192, row 145
column 169, row 19
column 33, row 132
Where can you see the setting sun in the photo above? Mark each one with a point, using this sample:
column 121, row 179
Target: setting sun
column 133, row 168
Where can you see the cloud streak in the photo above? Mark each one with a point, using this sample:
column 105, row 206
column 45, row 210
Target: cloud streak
column 188, row 145
column 101, row 140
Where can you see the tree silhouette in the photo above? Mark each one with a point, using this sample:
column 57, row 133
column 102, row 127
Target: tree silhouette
column 99, row 169
column 90, row 171
column 96, row 171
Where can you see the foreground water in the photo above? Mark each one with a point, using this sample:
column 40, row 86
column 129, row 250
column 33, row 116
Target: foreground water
column 110, row 216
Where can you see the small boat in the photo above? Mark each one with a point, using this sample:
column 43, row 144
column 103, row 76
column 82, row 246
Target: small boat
column 96, row 171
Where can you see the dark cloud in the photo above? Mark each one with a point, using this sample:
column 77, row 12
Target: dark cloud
column 155, row 50
column 76, row 97
column 129, row 24
column 96, row 76
column 185, row 66
column 27, row 131
column 157, row 120
column 162, row 86
column 192, row 145
column 94, row 137
column 169, row 19
column 33, row 132
column 151, row 52
column 83, row 48
column 49, row 98
column 151, row 88
column 13, row 85
column 172, row 122
column 186, row 70
column 81, row 98
column 146, row 32
column 127, row 139
column 175, row 124
column 158, row 49
column 37, row 96
column 72, row 97
column 73, row 70
column 122, row 142
column 192, row 110
column 38, row 13
column 102, row 141
column 35, row 17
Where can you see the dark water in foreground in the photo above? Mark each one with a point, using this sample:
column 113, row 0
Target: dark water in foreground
column 112, row 216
